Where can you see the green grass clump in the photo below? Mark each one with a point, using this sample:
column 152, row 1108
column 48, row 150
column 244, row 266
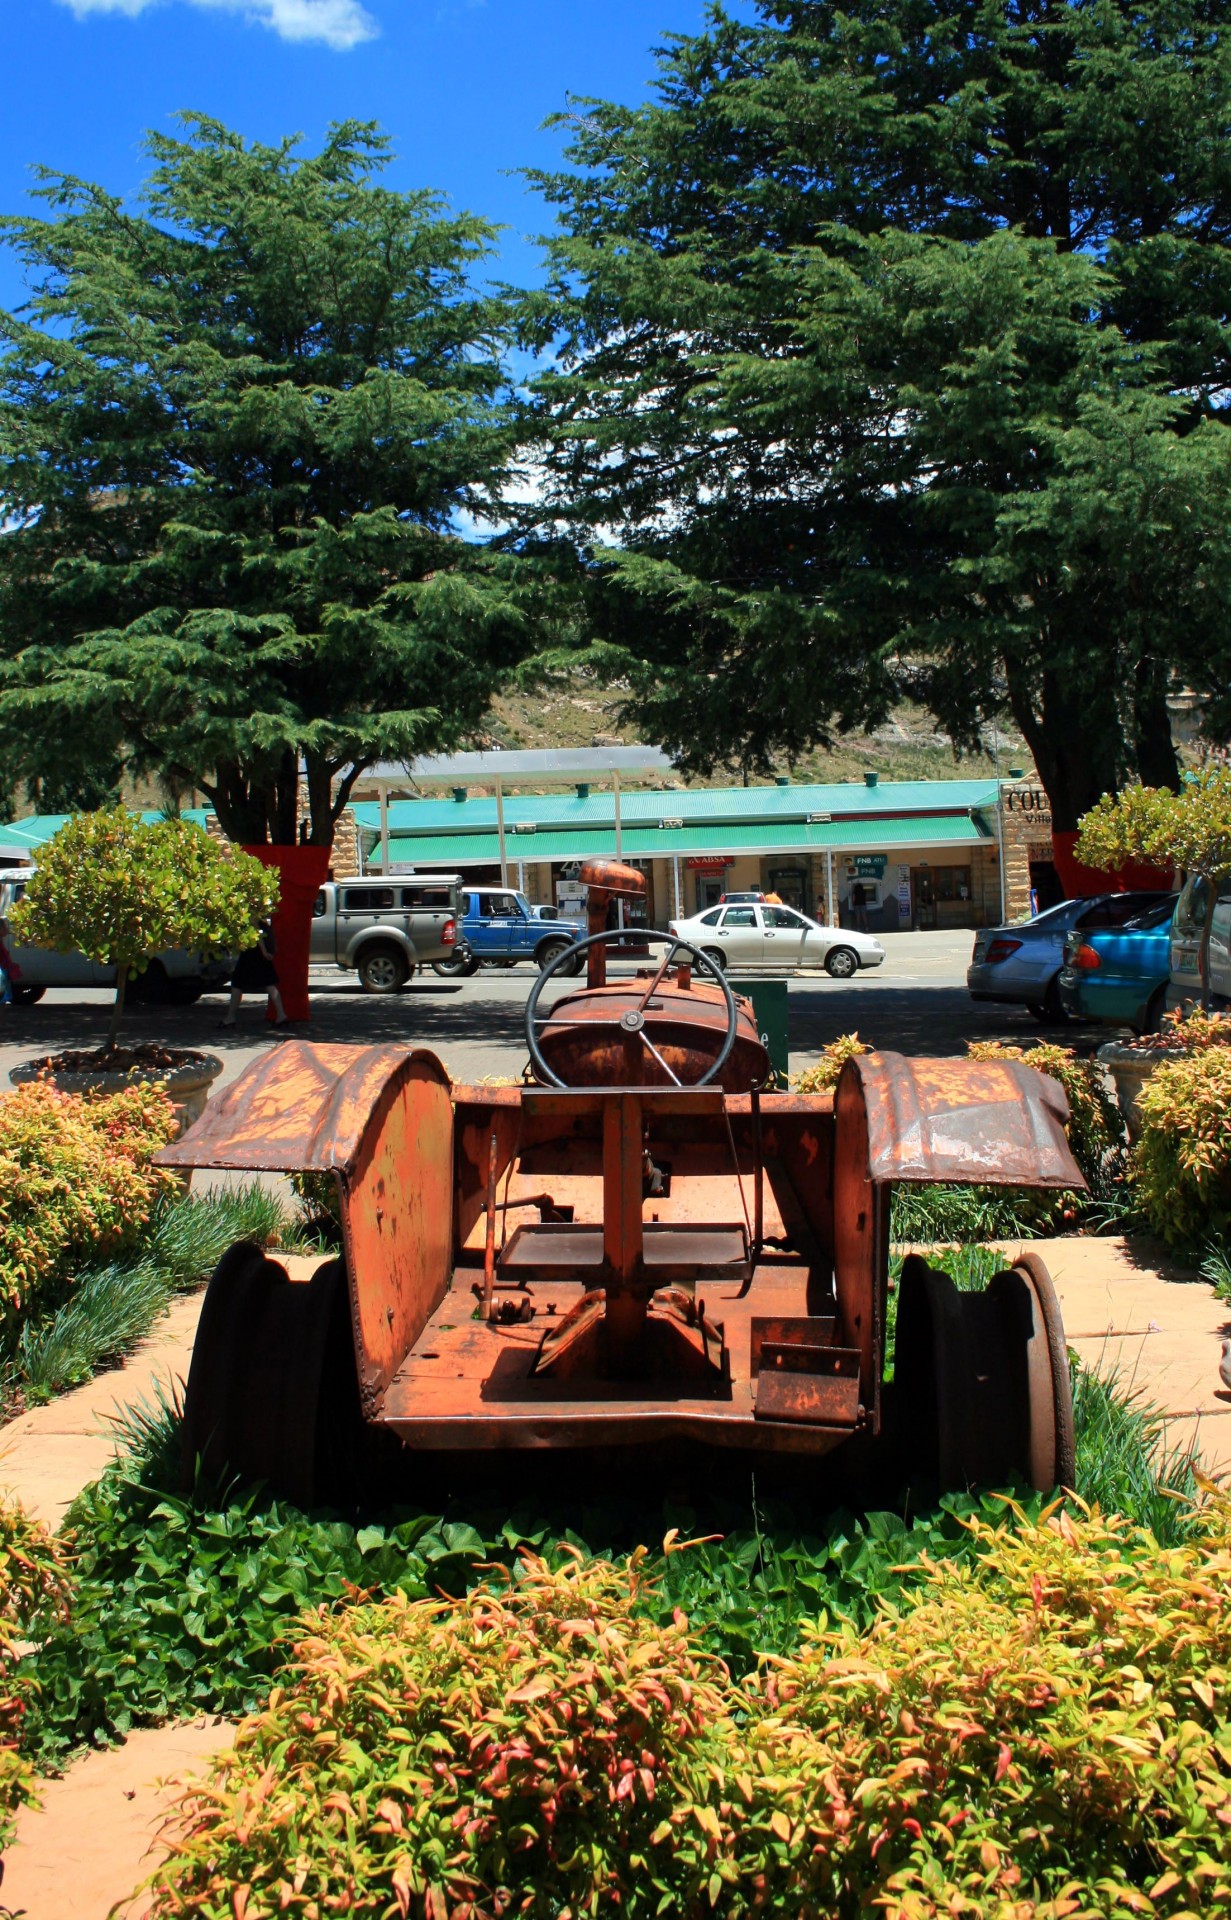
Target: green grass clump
column 926, row 1216
column 98, row 1317
column 1124, row 1463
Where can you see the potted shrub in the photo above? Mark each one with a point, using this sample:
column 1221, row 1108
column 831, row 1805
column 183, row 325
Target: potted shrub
column 1189, row 830
column 120, row 890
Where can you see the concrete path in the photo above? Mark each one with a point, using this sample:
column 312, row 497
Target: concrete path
column 95, row 1837
column 1131, row 1311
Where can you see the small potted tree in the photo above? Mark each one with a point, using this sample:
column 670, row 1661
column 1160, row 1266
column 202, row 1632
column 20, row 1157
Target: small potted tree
column 121, row 890
column 1189, row 830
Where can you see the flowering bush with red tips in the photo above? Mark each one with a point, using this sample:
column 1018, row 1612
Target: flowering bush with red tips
column 76, row 1182
column 1041, row 1730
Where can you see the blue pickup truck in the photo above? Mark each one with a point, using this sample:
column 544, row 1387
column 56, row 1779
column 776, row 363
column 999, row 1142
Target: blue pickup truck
column 498, row 927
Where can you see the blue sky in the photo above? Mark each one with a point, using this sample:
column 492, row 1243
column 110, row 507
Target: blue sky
column 461, row 85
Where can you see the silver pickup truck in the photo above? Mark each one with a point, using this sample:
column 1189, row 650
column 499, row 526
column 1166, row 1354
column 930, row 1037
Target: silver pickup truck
column 384, row 928
column 173, row 978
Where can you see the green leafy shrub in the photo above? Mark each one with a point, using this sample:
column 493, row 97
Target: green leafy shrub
column 540, row 1744
column 1039, row 1729
column 822, row 1076
column 319, row 1199
column 121, row 889
column 34, row 1595
column 76, row 1182
column 1181, row 1164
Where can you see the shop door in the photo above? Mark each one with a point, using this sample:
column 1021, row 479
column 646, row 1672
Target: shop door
column 791, row 886
column 709, row 890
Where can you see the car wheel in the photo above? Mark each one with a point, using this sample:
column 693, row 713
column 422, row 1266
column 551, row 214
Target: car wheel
column 718, row 957
column 382, row 970
column 841, row 963
column 459, row 966
column 1051, row 1009
column 26, row 996
column 549, row 951
column 1152, row 1018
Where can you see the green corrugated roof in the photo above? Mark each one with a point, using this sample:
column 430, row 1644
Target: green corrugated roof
column 872, row 836
column 726, row 806
column 37, row 828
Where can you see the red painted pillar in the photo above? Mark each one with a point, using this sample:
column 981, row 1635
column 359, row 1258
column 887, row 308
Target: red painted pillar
column 302, row 872
column 1078, row 880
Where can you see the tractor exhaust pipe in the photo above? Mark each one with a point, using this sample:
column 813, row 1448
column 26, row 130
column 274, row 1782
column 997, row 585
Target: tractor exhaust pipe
column 607, row 880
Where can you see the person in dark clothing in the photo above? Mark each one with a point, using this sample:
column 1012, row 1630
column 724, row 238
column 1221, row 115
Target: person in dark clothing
column 256, row 972
column 859, row 907
column 8, row 972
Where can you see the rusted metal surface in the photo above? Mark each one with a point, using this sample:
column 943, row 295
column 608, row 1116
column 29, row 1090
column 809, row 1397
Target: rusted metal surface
column 381, row 1118
column 801, row 1330
column 589, row 1038
column 860, row 1243
column 641, row 1304
column 812, row 1386
column 397, row 1219
column 995, row 1122
column 607, row 880
column 299, row 1107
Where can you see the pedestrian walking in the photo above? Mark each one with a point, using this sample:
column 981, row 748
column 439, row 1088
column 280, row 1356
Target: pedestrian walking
column 9, row 972
column 256, row 971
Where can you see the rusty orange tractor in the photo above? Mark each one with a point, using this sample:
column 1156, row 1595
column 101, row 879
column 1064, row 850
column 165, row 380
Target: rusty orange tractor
column 645, row 1245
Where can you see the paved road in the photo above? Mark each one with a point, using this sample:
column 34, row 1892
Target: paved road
column 917, row 1003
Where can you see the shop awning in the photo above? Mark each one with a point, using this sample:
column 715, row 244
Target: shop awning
column 640, row 842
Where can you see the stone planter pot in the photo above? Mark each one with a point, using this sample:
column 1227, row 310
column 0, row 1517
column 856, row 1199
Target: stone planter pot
column 1130, row 1068
column 188, row 1087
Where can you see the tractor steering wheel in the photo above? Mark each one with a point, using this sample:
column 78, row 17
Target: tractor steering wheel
column 632, row 1022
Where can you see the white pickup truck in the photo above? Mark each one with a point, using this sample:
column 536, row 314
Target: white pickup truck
column 174, row 978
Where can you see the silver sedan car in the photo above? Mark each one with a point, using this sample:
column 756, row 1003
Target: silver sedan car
column 1021, row 964
column 760, row 934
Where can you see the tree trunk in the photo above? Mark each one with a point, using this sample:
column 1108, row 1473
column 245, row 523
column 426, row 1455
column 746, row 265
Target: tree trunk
column 1158, row 763
column 1203, row 951
column 121, row 983
column 1075, row 738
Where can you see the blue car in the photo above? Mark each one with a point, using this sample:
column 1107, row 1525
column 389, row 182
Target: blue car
column 498, row 927
column 1120, row 975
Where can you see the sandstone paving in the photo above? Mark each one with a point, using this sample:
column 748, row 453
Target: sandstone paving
column 94, row 1839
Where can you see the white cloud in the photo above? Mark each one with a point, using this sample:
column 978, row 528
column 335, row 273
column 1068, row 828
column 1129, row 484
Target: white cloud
column 338, row 23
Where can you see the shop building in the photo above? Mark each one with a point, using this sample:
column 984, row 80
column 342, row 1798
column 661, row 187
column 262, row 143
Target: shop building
column 913, row 853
